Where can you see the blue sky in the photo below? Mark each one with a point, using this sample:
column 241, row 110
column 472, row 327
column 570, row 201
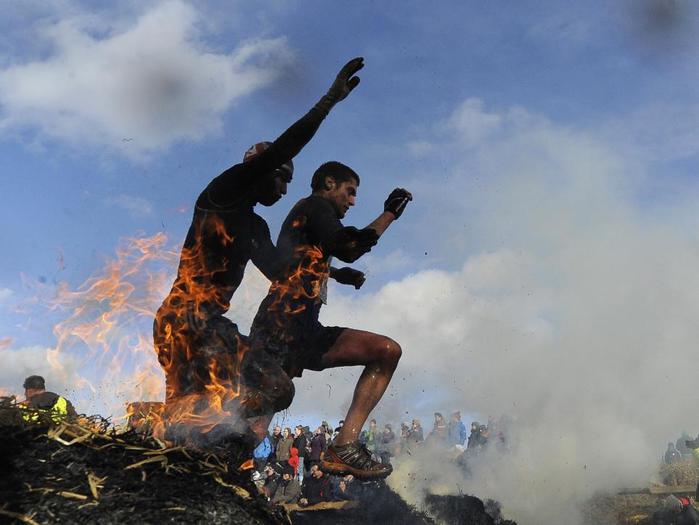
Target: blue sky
column 551, row 148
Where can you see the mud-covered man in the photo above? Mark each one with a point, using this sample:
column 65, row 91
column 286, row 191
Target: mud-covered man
column 287, row 326
column 202, row 351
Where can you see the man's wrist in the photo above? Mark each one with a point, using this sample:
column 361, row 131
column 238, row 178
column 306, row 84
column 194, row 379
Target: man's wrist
column 325, row 104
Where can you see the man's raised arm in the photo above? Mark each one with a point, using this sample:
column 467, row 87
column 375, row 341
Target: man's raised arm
column 290, row 143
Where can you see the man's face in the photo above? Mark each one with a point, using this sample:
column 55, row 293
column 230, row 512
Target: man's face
column 342, row 196
column 277, row 431
column 287, row 476
column 316, row 472
column 272, row 188
column 297, row 431
column 31, row 392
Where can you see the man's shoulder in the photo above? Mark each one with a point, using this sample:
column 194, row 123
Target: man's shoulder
column 44, row 400
column 311, row 204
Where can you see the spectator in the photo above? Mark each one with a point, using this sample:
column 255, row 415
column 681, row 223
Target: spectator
column 262, row 452
column 300, row 445
column 294, row 460
column 672, row 455
column 284, row 446
column 483, row 435
column 318, row 446
column 675, row 511
column 272, row 479
column 369, row 438
column 345, row 489
column 386, row 444
column 274, row 440
column 681, row 444
column 316, row 488
column 474, row 435
column 439, row 429
column 339, row 427
column 416, row 434
column 404, row 431
column 328, row 431
column 288, row 489
column 456, row 431
column 307, row 458
column 56, row 408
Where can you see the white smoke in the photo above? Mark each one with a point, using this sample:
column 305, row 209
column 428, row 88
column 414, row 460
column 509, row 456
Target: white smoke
column 573, row 312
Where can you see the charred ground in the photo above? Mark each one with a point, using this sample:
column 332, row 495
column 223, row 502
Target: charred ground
column 92, row 473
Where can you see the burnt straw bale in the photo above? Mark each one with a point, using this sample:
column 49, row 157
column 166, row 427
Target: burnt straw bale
column 91, row 473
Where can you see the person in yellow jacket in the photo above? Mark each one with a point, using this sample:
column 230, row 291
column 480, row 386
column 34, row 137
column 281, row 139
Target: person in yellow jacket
column 58, row 408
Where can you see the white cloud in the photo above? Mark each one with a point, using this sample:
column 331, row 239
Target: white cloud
column 5, row 294
column 61, row 376
column 134, row 89
column 138, row 207
column 471, row 123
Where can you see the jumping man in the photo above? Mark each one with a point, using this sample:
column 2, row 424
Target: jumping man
column 287, row 327
column 202, row 351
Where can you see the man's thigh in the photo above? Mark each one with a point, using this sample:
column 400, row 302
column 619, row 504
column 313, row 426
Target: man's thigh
column 355, row 347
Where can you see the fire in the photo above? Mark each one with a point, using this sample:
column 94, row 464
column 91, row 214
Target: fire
column 105, row 336
column 200, row 351
column 305, row 282
column 247, row 465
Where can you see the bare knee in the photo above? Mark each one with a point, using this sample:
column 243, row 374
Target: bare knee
column 390, row 351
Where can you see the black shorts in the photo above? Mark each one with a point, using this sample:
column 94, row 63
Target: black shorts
column 297, row 342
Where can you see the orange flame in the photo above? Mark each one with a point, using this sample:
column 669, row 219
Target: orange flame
column 103, row 336
column 247, row 465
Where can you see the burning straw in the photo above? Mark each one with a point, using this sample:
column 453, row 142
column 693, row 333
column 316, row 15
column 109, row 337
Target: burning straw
column 89, row 471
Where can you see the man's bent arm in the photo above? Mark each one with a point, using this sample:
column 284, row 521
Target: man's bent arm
column 266, row 256
column 382, row 222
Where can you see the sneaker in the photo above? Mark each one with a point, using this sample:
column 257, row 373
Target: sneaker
column 353, row 458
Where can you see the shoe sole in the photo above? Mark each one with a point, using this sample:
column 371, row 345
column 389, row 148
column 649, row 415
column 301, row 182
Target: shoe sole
column 342, row 469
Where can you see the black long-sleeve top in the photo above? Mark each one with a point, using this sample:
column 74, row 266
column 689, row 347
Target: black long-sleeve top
column 316, row 490
column 226, row 233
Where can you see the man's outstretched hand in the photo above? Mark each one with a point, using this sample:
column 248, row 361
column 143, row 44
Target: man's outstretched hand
column 397, row 201
column 345, row 80
column 349, row 276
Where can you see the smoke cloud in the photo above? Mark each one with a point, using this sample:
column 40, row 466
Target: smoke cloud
column 572, row 311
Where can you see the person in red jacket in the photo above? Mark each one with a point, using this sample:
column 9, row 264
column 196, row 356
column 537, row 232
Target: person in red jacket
column 294, row 460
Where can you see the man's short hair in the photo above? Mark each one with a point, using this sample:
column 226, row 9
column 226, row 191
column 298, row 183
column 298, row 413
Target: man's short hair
column 336, row 171
column 34, row 383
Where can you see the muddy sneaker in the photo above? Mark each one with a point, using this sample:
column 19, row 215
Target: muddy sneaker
column 353, row 458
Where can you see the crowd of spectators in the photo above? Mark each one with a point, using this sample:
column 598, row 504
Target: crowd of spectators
column 685, row 447
column 287, row 463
